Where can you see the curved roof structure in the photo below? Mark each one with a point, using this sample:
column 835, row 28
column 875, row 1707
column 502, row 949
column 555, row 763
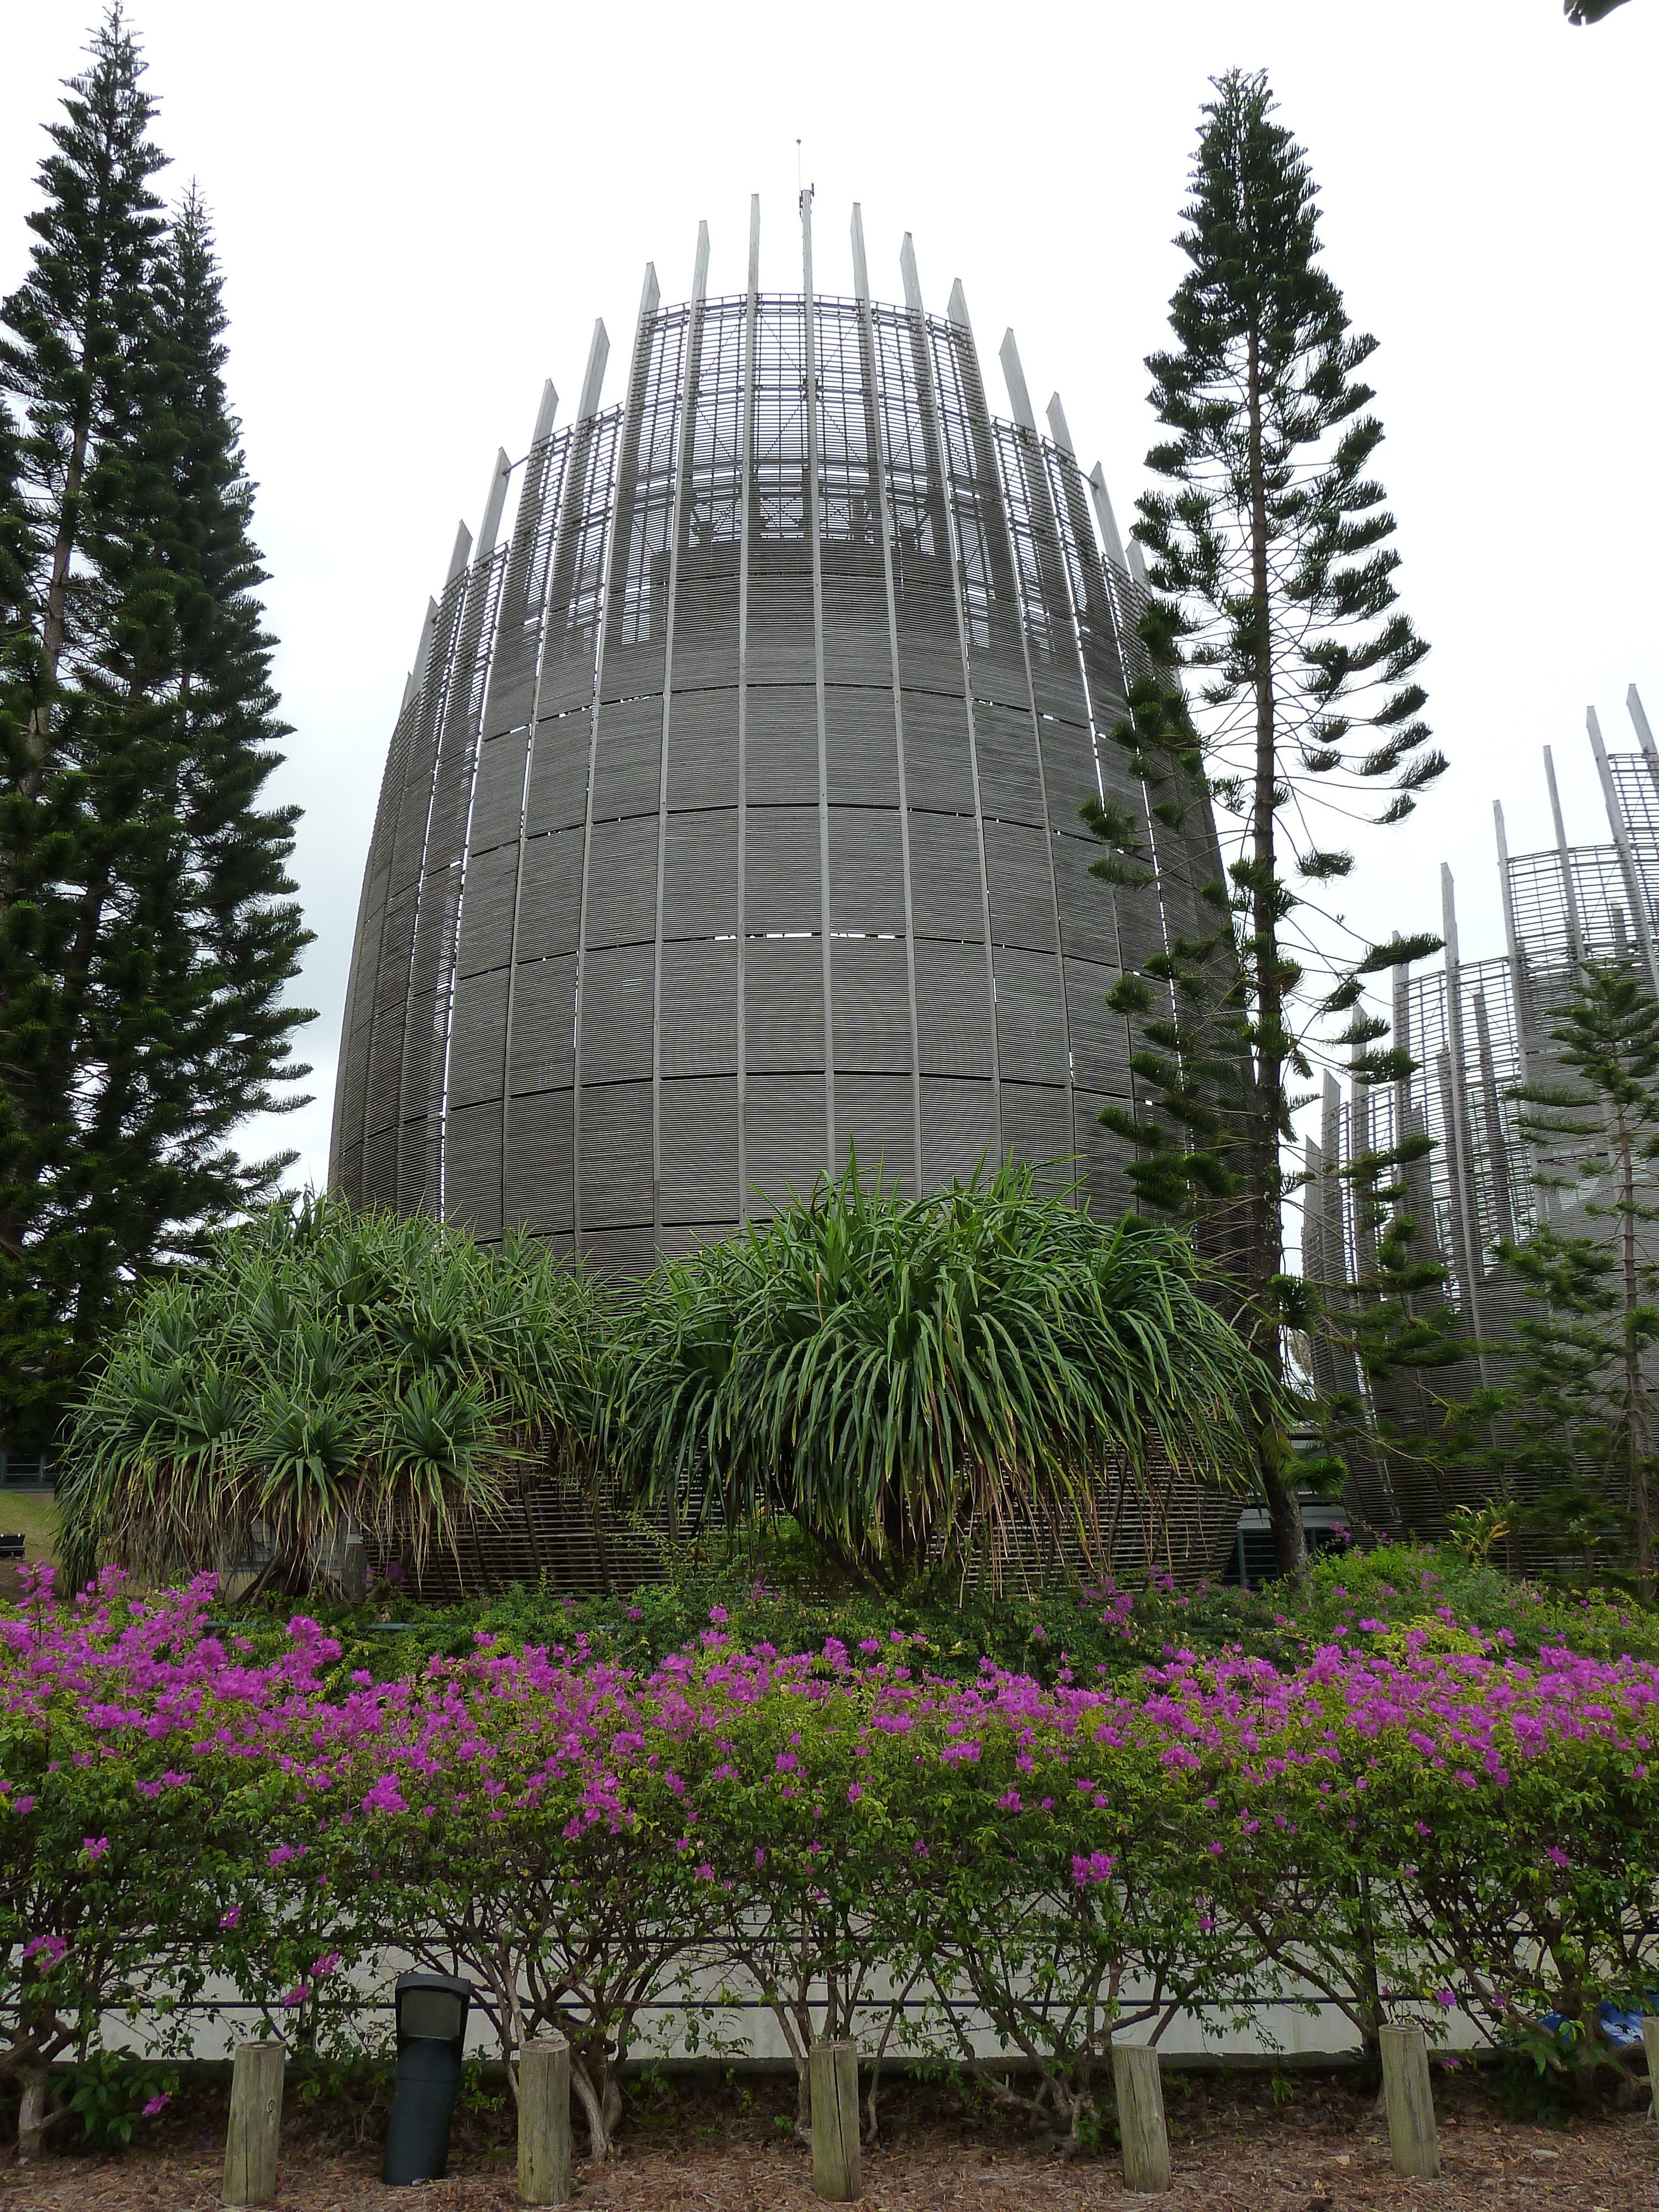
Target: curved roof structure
column 732, row 817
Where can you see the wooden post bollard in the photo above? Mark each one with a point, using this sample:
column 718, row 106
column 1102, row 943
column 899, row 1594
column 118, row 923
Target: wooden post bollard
column 255, row 2120
column 1410, row 2103
column 837, row 2170
column 545, row 2121
column 1651, row 2043
column 1140, row 2086
column 354, row 1568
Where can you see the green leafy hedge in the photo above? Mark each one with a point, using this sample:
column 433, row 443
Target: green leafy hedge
column 1412, row 1823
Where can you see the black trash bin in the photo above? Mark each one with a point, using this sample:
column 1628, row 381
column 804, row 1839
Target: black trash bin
column 431, row 2011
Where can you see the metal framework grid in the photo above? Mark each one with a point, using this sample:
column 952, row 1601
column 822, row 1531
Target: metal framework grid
column 1478, row 1030
column 1470, row 1060
column 1573, row 908
column 731, row 819
column 1562, row 906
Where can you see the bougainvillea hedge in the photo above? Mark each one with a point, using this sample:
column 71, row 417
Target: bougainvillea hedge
column 1408, row 1822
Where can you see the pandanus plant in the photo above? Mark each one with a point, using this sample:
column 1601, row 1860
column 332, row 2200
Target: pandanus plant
column 328, row 1368
column 901, row 1377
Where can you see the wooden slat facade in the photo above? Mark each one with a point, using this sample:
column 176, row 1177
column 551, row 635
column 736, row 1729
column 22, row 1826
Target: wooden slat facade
column 613, row 876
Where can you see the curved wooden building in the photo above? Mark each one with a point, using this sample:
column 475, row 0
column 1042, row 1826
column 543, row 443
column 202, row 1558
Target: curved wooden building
column 732, row 817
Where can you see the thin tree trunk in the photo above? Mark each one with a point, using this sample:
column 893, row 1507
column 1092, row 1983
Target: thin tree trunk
column 1369, row 1994
column 54, row 623
column 1266, row 1107
column 33, row 2111
column 37, row 730
column 36, row 736
column 1634, row 1424
column 588, row 2097
column 77, row 967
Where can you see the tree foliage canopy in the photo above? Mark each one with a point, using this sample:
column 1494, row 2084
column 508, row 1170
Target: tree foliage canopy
column 1273, row 576
column 1576, row 1417
column 147, row 927
column 1271, row 555
column 1413, row 1823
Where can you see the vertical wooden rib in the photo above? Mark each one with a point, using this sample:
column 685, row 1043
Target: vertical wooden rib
column 809, row 321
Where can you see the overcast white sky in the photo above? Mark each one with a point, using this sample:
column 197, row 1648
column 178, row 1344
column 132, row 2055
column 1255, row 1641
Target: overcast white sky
column 421, row 211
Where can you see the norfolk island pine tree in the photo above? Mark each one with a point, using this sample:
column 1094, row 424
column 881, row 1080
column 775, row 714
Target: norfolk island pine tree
column 64, row 344
column 1271, row 578
column 1580, row 1395
column 1560, row 1428
column 146, row 930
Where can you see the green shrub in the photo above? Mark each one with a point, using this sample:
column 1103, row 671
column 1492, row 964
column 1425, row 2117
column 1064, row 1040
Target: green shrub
column 329, row 1367
column 899, row 1376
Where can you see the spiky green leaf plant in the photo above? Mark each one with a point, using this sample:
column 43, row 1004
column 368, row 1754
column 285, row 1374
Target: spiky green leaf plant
column 904, row 1375
column 327, row 1368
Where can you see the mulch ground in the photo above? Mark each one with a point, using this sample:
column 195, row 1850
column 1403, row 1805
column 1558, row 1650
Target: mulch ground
column 726, row 2149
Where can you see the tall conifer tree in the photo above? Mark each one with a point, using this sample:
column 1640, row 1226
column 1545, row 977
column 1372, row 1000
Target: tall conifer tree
column 1561, row 1435
column 1273, row 583
column 1579, row 1403
column 148, row 929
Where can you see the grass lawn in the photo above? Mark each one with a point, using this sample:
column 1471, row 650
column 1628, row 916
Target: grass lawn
column 34, row 1513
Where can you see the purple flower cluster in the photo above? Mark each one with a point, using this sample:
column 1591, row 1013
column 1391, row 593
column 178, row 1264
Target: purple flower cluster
column 523, row 1725
column 1172, row 1810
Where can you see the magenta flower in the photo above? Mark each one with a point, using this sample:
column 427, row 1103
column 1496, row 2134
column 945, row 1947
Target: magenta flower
column 157, row 2104
column 1095, row 1868
column 95, row 1846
